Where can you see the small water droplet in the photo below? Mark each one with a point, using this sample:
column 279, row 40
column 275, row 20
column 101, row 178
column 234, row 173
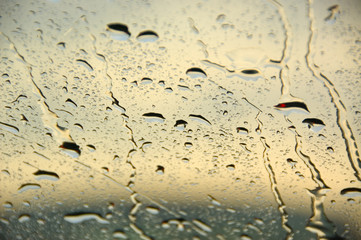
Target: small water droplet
column 180, row 124
column 221, row 18
column 42, row 174
column 188, row 144
column 147, row 36
column 71, row 103
column 145, row 81
column 291, row 162
column 153, row 117
column 24, row 218
column 118, row 31
column 8, row 205
column 152, row 210
column 214, row 201
column 245, row 237
column 61, row 45
column 289, row 107
column 202, row 225
column 351, row 192
column 250, row 71
column 314, row 124
column 242, row 130
column 9, row 128
column 330, row 150
column 71, row 148
column 196, row 73
column 200, row 119
column 231, row 167
column 91, row 148
column 81, row 217
column 119, row 235
column 28, row 186
column 160, row 170
column 85, row 64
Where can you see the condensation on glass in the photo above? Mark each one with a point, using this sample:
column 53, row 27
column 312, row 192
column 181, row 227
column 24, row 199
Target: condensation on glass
column 180, row 119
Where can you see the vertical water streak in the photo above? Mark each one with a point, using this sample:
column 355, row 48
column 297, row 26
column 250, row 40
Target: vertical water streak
column 286, row 52
column 275, row 191
column 341, row 114
column 49, row 117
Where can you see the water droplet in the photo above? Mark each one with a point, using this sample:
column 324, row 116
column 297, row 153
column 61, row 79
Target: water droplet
column 200, row 119
column 85, row 64
column 250, row 71
column 28, row 186
column 351, row 192
column 81, row 217
column 168, row 89
column 160, row 170
column 8, row 205
column 245, row 237
column 91, row 148
column 300, row 175
column 71, row 103
column 24, row 218
column 202, row 225
column 79, row 126
column 330, row 150
column 314, row 124
column 231, row 167
column 242, row 130
column 119, row 235
column 145, row 81
column 153, row 117
column 214, row 201
column 188, row 144
column 289, row 107
column 71, row 149
column 9, row 128
column 118, row 31
column 334, row 13
column 152, row 210
column 221, row 18
column 196, row 73
column 180, row 124
column 147, row 36
column 61, row 45
column 4, row 220
column 291, row 162
column 46, row 175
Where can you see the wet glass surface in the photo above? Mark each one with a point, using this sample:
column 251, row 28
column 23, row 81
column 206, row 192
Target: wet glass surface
column 180, row 119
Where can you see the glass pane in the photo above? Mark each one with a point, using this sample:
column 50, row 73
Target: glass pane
column 180, row 119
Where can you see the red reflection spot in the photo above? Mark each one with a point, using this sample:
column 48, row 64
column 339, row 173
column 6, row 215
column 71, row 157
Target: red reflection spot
column 282, row 105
